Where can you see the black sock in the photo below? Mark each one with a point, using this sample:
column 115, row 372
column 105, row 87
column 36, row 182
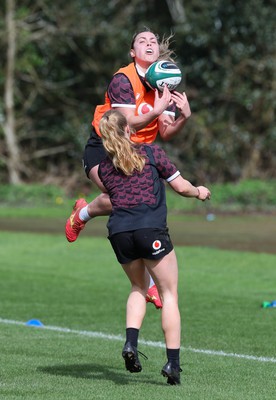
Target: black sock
column 173, row 357
column 132, row 336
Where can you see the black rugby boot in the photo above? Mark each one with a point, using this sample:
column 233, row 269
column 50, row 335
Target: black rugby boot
column 172, row 373
column 130, row 355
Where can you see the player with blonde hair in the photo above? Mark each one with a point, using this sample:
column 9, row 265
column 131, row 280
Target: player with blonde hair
column 133, row 175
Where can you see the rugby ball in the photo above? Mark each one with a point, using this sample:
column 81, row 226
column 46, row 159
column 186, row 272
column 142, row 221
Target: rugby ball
column 162, row 73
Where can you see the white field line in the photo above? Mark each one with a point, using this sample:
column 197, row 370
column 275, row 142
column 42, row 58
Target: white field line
column 102, row 335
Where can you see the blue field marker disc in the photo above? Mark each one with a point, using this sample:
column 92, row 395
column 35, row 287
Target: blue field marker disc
column 34, row 322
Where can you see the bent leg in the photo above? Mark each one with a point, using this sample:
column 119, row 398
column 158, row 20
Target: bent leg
column 101, row 205
column 83, row 212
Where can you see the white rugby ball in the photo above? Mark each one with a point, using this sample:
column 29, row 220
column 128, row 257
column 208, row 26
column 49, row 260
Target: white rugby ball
column 162, row 73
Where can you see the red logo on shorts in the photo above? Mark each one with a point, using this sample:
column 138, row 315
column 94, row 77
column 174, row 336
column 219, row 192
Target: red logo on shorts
column 156, row 245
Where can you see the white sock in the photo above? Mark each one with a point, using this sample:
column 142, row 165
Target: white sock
column 84, row 216
column 151, row 282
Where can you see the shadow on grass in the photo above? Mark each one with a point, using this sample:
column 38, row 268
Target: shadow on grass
column 100, row 372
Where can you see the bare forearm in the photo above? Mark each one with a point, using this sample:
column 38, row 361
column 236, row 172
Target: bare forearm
column 186, row 189
column 169, row 127
column 138, row 122
column 168, row 131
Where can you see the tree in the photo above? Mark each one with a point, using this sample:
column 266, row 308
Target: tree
column 37, row 84
column 66, row 52
column 229, row 55
column 8, row 124
column 177, row 11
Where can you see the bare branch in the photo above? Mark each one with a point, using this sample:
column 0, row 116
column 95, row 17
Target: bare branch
column 47, row 152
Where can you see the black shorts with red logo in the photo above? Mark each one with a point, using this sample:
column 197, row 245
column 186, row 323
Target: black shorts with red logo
column 149, row 243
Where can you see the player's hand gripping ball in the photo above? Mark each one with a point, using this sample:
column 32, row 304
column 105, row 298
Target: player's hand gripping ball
column 162, row 73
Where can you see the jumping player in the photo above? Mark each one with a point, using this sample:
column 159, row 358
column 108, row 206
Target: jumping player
column 148, row 113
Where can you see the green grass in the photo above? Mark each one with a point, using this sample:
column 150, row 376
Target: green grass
column 81, row 287
column 52, row 201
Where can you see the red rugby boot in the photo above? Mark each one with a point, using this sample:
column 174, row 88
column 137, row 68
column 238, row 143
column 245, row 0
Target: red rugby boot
column 74, row 224
column 153, row 297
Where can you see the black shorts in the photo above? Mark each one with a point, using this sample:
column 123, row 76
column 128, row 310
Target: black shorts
column 150, row 243
column 94, row 152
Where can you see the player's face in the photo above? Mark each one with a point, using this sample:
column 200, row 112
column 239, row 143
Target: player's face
column 145, row 49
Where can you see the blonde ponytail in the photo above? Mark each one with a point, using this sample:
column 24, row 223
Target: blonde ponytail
column 125, row 157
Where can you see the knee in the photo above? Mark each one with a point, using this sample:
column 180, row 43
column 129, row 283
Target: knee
column 169, row 296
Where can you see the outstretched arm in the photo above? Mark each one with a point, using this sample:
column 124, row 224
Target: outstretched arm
column 186, row 189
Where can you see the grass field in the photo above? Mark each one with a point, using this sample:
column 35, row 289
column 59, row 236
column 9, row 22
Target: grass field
column 78, row 292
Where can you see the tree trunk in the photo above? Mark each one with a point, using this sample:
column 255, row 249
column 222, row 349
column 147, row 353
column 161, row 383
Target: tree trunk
column 251, row 168
column 13, row 159
column 177, row 11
